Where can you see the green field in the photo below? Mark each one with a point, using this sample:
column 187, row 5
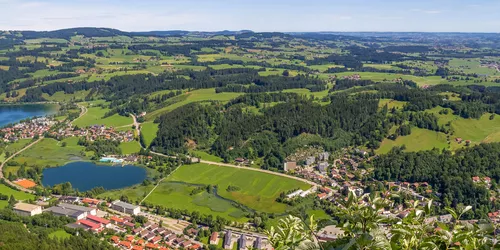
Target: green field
column 419, row 139
column 177, row 195
column 50, row 152
column 391, row 104
column 130, row 147
column 94, row 116
column 258, row 190
column 5, row 190
column 206, row 156
column 194, row 96
column 18, row 145
column 60, row 234
column 135, row 193
column 148, row 131
column 62, row 97
column 478, row 130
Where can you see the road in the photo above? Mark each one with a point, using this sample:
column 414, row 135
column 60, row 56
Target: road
column 12, row 156
column 83, row 111
column 247, row 168
column 137, row 125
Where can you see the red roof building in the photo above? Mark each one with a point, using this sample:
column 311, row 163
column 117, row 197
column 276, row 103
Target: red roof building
column 137, row 248
column 98, row 220
column 91, row 201
column 151, row 246
column 115, row 239
column 126, row 244
column 89, row 224
column 116, row 220
column 130, row 238
column 195, row 247
column 156, row 239
column 214, row 238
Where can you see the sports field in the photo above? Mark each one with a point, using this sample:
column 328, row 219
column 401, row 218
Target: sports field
column 258, row 190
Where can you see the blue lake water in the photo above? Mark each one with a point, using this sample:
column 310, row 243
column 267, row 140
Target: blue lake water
column 87, row 175
column 16, row 113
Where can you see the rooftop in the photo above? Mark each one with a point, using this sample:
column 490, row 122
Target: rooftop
column 124, row 205
column 26, row 207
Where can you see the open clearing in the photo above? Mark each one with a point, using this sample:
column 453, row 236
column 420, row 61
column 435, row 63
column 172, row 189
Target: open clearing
column 5, row 190
column 51, row 152
column 60, row 234
column 130, row 147
column 148, row 131
column 178, row 195
column 95, row 116
column 419, row 139
column 258, row 190
column 194, row 96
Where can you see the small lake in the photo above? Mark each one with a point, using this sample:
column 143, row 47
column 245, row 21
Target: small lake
column 87, row 175
column 15, row 113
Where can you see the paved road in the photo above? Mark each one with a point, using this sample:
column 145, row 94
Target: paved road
column 83, row 111
column 137, row 125
column 12, row 156
column 247, row 168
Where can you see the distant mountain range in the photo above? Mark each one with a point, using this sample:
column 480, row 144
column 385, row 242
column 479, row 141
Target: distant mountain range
column 104, row 32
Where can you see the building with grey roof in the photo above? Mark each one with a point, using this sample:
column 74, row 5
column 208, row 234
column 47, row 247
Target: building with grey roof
column 61, row 211
column 227, row 240
column 88, row 210
column 242, row 242
column 125, row 207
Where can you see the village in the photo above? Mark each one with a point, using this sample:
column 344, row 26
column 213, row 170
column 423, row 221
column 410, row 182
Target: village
column 126, row 226
column 43, row 126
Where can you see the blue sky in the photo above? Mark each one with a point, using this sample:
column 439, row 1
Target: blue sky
column 257, row 15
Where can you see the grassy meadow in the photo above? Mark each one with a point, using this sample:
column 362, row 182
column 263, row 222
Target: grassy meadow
column 95, row 116
column 258, row 190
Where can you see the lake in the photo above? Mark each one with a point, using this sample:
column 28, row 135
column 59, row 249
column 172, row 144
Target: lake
column 87, row 175
column 15, row 113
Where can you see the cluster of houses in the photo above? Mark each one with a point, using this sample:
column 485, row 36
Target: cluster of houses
column 152, row 236
column 241, row 241
column 482, row 180
column 27, row 130
column 96, row 132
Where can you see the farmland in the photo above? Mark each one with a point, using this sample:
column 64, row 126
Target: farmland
column 5, row 190
column 95, row 116
column 42, row 153
column 418, row 140
column 258, row 190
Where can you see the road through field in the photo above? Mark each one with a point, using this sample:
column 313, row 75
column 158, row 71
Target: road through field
column 12, row 156
column 248, row 168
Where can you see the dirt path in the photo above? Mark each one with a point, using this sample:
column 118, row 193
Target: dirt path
column 12, row 156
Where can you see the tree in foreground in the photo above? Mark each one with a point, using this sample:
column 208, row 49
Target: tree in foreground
column 365, row 227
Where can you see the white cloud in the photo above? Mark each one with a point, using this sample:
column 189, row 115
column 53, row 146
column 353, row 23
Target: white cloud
column 32, row 4
column 432, row 11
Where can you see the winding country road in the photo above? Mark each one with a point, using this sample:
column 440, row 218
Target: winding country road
column 247, row 168
column 137, row 127
column 12, row 156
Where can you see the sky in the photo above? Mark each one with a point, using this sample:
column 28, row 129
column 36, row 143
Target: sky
column 256, row 15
